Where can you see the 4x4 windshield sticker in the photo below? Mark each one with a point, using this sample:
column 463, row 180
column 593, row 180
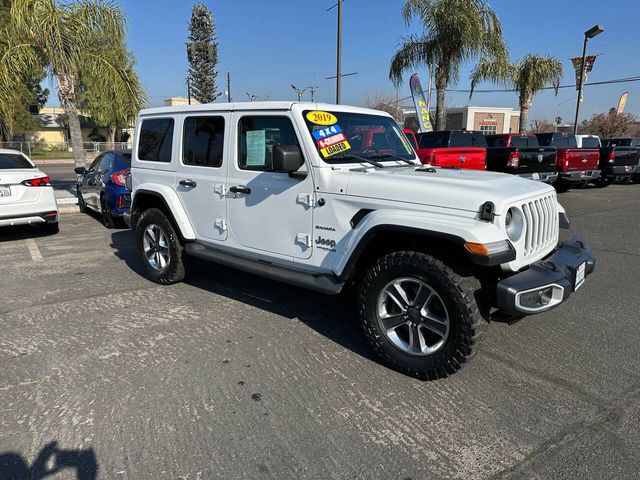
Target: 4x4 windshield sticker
column 331, row 140
column 322, row 118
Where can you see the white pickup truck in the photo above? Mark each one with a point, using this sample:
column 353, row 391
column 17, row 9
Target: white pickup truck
column 321, row 196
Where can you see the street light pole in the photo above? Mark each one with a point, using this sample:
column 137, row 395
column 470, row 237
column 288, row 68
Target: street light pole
column 299, row 91
column 339, row 53
column 592, row 32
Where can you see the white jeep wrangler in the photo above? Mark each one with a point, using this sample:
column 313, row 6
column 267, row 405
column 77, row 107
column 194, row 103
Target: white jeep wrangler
column 322, row 196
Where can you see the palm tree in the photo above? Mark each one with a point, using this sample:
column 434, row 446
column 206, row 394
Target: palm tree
column 529, row 75
column 64, row 37
column 454, row 32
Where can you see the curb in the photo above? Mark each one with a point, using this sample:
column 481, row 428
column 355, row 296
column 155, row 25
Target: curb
column 68, row 208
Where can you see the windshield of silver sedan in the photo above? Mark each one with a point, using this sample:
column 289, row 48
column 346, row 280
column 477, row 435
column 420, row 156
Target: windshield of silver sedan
column 346, row 137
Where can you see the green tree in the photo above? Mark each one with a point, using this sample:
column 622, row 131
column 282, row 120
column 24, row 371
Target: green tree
column 107, row 106
column 529, row 75
column 18, row 92
column 454, row 31
column 202, row 54
column 63, row 37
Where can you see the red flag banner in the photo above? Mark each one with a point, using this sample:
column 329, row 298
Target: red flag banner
column 589, row 60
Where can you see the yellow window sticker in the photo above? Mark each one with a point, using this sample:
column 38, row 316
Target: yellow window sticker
column 335, row 149
column 322, row 118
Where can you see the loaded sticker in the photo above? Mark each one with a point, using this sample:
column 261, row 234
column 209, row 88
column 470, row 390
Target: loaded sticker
column 322, row 118
column 331, row 140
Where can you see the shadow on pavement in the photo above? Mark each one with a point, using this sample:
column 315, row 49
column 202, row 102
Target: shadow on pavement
column 22, row 232
column 334, row 317
column 49, row 461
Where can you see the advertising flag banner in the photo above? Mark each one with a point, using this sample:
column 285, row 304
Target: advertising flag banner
column 622, row 102
column 422, row 108
column 589, row 60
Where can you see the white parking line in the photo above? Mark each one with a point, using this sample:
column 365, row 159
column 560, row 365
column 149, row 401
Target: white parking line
column 34, row 250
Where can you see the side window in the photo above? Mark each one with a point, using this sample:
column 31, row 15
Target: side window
column 203, row 141
column 95, row 163
column 258, row 136
column 105, row 163
column 156, row 138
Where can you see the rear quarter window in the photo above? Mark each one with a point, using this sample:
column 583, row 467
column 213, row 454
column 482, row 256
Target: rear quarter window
column 156, row 140
column 13, row 160
column 590, row 143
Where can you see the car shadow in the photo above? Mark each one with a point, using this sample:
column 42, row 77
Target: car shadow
column 22, row 232
column 49, row 461
column 334, row 317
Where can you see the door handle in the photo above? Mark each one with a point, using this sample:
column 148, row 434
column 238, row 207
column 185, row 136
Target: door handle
column 188, row 183
column 240, row 189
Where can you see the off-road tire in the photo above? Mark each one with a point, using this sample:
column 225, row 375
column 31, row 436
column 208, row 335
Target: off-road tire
column 175, row 270
column 459, row 296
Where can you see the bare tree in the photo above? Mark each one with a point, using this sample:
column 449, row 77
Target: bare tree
column 612, row 125
column 386, row 102
column 542, row 126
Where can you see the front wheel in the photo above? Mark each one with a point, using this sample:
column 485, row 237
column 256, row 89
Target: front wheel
column 419, row 315
column 159, row 248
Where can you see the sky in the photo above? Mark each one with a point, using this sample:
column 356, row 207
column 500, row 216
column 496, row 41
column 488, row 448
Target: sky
column 268, row 45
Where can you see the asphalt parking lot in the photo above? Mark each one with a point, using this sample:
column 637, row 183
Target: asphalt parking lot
column 234, row 376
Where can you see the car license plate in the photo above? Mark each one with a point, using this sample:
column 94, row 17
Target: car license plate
column 580, row 275
column 535, row 176
column 5, row 191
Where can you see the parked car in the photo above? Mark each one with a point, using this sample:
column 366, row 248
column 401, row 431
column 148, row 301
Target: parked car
column 411, row 136
column 102, row 188
column 617, row 163
column 453, row 148
column 520, row 154
column 626, row 142
column 429, row 250
column 576, row 166
column 26, row 194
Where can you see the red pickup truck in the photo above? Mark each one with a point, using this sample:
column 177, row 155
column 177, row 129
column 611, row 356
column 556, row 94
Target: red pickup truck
column 576, row 166
column 453, row 149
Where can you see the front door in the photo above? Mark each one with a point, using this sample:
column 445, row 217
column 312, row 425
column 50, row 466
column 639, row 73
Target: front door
column 268, row 211
column 201, row 173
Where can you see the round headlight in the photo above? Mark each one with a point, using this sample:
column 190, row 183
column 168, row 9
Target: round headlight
column 514, row 224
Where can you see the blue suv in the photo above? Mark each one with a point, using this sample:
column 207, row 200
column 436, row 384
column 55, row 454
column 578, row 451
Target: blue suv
column 102, row 187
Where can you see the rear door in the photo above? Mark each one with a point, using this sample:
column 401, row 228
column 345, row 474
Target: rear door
column 201, row 173
column 87, row 182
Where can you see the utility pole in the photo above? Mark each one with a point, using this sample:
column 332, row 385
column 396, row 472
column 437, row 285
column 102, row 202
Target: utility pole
column 189, row 88
column 313, row 89
column 229, row 87
column 338, row 76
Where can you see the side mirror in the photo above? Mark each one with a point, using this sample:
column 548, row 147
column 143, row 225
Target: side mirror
column 286, row 158
column 80, row 170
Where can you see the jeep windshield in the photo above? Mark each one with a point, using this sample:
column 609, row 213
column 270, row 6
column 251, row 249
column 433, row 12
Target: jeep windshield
column 346, row 137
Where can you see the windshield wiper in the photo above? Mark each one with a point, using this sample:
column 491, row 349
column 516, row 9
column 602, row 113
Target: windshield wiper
column 388, row 155
column 364, row 159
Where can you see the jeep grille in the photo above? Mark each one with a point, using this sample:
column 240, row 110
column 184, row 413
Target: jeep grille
column 541, row 224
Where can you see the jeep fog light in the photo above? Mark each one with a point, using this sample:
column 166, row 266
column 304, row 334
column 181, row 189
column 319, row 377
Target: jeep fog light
column 514, row 224
column 487, row 249
column 540, row 298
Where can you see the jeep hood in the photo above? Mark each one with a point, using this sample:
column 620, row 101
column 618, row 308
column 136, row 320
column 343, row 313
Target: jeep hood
column 443, row 187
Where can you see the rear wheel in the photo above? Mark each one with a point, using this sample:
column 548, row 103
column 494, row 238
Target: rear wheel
column 159, row 248
column 419, row 315
column 105, row 210
column 50, row 228
column 603, row 182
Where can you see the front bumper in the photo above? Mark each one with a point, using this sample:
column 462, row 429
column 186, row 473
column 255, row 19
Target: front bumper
column 546, row 177
column 578, row 176
column 548, row 282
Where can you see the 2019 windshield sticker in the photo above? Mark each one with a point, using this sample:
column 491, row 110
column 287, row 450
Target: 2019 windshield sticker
column 322, row 118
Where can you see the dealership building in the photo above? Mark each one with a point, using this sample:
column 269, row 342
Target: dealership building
column 485, row 119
